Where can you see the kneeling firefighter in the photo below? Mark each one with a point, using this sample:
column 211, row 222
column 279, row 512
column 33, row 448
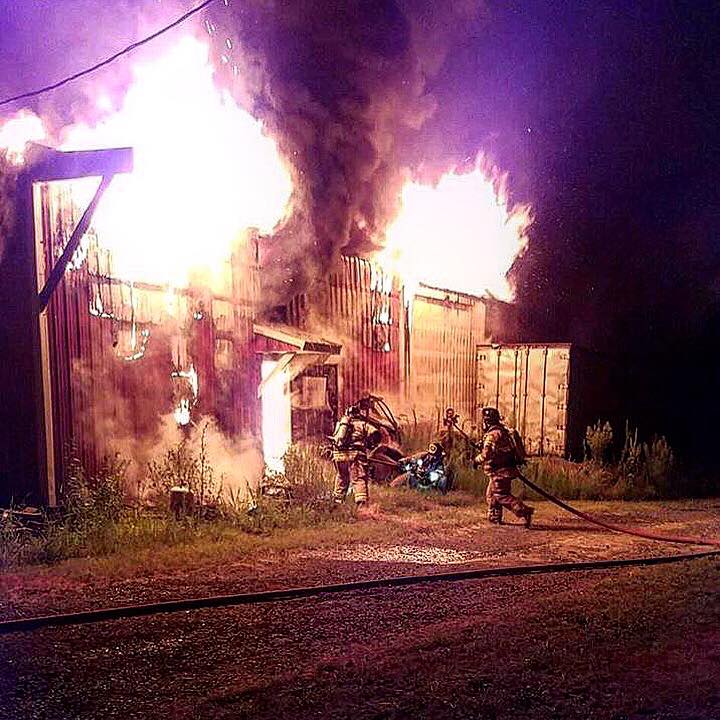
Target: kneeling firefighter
column 424, row 470
column 354, row 436
column 500, row 459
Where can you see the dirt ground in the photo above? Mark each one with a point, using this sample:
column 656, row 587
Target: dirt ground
column 624, row 644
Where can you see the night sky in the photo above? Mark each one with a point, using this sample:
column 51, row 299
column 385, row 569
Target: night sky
column 605, row 114
column 622, row 162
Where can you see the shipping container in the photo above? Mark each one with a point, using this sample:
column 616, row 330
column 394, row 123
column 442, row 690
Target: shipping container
column 549, row 392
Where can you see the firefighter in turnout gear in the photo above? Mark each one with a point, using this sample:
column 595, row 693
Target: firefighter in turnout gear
column 424, row 470
column 500, row 461
column 354, row 436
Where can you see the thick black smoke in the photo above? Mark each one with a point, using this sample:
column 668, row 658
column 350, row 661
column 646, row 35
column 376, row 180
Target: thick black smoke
column 341, row 86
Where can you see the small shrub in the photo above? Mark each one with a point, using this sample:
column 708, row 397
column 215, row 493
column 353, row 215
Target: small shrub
column 464, row 475
column 569, row 480
column 309, row 476
column 470, row 480
column 91, row 501
column 598, row 442
column 301, row 496
column 417, row 434
column 181, row 466
column 660, row 467
column 16, row 541
column 632, row 459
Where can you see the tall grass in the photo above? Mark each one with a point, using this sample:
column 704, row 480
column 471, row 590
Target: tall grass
column 643, row 470
column 96, row 520
column 180, row 466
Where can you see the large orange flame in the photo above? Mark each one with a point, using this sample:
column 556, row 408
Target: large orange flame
column 461, row 233
column 205, row 171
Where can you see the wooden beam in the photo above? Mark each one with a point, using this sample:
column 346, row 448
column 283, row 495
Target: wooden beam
column 46, row 164
column 56, row 274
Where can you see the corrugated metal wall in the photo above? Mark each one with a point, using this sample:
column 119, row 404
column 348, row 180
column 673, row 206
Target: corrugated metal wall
column 445, row 329
column 113, row 345
column 362, row 308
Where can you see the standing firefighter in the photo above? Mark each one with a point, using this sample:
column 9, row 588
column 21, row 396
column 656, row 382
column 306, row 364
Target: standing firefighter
column 500, row 458
column 352, row 439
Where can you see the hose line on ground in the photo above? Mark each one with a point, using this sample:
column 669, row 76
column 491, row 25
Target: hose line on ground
column 713, row 542
column 619, row 528
column 272, row 596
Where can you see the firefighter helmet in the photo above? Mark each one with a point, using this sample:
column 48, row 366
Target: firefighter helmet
column 490, row 417
column 435, row 448
column 364, row 404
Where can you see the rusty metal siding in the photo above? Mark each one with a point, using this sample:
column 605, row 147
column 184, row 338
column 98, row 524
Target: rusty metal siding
column 114, row 344
column 360, row 307
column 421, row 357
column 444, row 331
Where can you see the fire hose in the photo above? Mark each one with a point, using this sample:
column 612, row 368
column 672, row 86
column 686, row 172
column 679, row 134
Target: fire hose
column 452, row 419
column 271, row 596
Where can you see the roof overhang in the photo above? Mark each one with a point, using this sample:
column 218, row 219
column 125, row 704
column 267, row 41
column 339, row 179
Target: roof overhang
column 296, row 340
column 289, row 365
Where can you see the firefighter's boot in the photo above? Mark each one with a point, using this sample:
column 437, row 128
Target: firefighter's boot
column 495, row 515
column 363, row 510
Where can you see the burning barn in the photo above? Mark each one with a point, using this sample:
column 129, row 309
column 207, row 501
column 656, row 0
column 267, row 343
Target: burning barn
column 136, row 307
column 110, row 361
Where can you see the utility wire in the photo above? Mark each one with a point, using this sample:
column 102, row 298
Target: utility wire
column 111, row 59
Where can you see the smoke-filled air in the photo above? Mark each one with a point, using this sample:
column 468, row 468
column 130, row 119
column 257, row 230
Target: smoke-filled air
column 292, row 121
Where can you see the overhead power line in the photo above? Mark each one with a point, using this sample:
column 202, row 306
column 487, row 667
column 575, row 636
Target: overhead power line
column 111, row 59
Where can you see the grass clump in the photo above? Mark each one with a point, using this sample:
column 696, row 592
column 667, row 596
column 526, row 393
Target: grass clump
column 598, row 442
column 183, row 467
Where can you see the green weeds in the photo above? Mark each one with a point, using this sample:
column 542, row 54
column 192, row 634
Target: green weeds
column 96, row 519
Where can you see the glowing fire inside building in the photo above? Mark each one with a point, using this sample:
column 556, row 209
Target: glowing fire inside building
column 157, row 322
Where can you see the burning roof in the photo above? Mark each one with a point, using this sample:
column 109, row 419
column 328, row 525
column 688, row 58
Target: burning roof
column 289, row 121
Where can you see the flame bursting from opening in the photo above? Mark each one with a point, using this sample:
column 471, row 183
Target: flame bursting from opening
column 183, row 409
column 204, row 171
column 17, row 132
column 461, row 234
column 276, row 417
